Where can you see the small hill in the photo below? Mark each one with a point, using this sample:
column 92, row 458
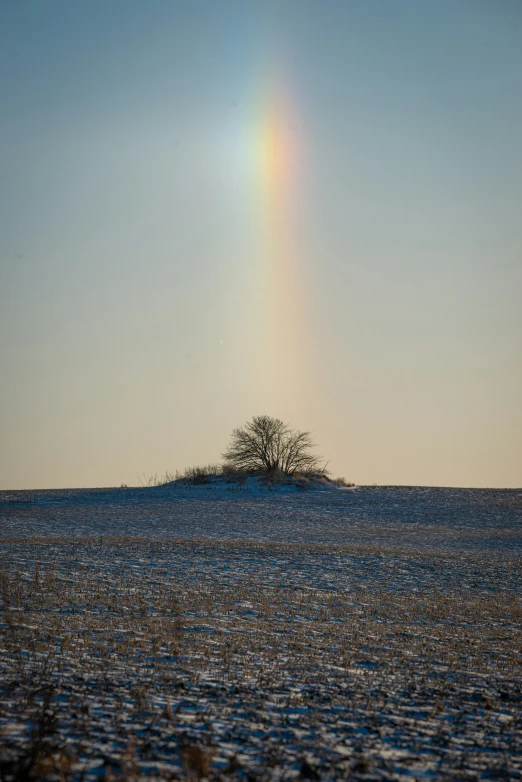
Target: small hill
column 258, row 483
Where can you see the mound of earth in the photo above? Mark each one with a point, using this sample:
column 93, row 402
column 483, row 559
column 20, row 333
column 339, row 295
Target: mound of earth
column 261, row 483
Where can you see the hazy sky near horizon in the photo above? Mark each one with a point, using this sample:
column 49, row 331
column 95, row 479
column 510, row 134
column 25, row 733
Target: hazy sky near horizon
column 215, row 209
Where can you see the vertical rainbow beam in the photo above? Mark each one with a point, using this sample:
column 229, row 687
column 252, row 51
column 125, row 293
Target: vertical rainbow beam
column 281, row 338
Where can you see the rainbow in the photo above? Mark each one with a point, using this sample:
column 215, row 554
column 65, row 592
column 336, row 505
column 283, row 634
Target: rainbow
column 282, row 300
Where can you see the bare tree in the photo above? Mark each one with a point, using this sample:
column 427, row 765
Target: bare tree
column 268, row 445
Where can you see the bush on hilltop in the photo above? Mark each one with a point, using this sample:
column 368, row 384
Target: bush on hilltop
column 267, row 446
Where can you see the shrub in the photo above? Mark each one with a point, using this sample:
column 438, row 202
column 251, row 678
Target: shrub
column 343, row 483
column 201, row 474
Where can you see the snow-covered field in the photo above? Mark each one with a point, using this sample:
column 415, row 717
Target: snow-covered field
column 402, row 517
column 227, row 632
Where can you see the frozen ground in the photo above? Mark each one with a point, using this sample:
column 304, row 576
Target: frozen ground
column 392, row 517
column 372, row 633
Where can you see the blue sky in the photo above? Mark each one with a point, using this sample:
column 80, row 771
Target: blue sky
column 130, row 260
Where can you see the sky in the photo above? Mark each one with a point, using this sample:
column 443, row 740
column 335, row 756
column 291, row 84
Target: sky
column 214, row 210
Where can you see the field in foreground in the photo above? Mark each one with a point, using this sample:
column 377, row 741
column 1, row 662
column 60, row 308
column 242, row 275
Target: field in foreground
column 194, row 652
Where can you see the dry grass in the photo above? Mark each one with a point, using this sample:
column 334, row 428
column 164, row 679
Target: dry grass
column 157, row 479
column 134, row 659
column 199, row 475
column 204, row 474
